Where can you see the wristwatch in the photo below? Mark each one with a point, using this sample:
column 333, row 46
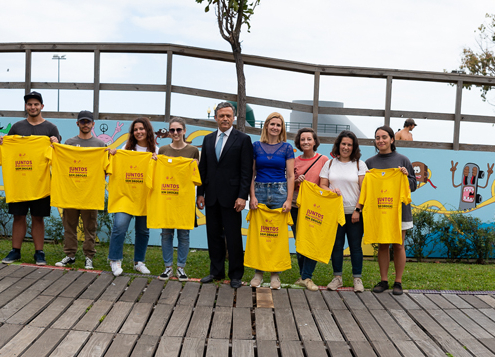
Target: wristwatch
column 358, row 210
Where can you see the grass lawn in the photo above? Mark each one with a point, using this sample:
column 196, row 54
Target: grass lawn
column 434, row 276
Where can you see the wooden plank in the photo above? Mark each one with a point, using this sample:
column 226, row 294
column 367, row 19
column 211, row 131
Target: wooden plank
column 352, row 300
column 362, row 348
column 315, row 300
column 7, row 332
column 200, row 322
column 98, row 287
column 387, row 349
column 339, row 349
column 348, row 326
column 315, row 349
column 306, row 326
column 92, row 317
column 461, row 318
column 10, row 269
column 409, row 326
column 316, row 99
column 449, row 324
column 225, row 295
column 159, row 319
column 488, row 299
column 31, row 310
column 489, row 343
column 474, row 301
column 291, row 349
column 53, row 275
column 476, row 347
column 22, row 272
column 244, row 297
column 423, row 301
column 79, row 285
column 52, row 312
column 169, row 347
column 170, row 293
column 61, row 284
column 153, row 291
column 457, row 118
column 27, row 72
column 71, row 344
column 430, row 325
column 298, row 299
column 265, row 324
column 122, row 346
column 189, row 294
column 457, row 301
column 179, row 321
column 72, row 315
column 286, row 325
column 5, row 283
column 207, row 295
column 391, row 328
column 281, row 299
column 430, row 348
column 193, row 347
column 20, row 342
column 241, row 324
column 440, row 301
column 97, row 345
column 388, row 100
column 242, row 348
column 327, row 326
column 96, row 83
column 388, row 301
column 146, row 346
column 264, row 298
column 265, row 348
column 134, row 290
column 116, row 317
column 221, row 324
column 334, row 300
column 454, row 348
column 45, row 345
column 114, row 290
column 38, row 273
column 14, row 290
column 481, row 319
column 489, row 312
column 137, row 319
column 168, row 92
column 220, row 348
column 369, row 325
column 406, row 302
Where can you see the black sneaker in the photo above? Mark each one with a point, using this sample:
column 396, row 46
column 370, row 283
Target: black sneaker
column 381, row 287
column 167, row 274
column 39, row 257
column 397, row 290
column 181, row 274
column 64, row 262
column 12, row 257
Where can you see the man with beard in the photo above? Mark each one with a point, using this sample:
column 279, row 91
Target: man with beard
column 34, row 124
column 70, row 217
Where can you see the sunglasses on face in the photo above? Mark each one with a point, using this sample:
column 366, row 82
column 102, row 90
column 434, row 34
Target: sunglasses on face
column 178, row 130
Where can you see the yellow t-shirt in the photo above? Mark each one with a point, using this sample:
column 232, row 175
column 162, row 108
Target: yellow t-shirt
column 78, row 177
column 320, row 213
column 267, row 246
column 25, row 164
column 172, row 197
column 127, row 190
column 382, row 194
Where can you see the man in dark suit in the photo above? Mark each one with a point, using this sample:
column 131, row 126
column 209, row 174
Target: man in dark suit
column 226, row 169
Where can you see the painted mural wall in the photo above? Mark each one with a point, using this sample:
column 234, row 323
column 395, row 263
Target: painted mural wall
column 448, row 181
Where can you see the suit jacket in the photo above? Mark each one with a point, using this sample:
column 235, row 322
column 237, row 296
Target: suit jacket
column 228, row 178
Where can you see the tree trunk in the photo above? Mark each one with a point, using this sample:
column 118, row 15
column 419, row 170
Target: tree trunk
column 241, row 88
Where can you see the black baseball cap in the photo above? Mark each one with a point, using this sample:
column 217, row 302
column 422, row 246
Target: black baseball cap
column 34, row 95
column 85, row 114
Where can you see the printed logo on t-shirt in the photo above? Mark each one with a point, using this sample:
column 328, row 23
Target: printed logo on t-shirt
column 268, row 232
column 314, row 216
column 170, row 189
column 78, row 171
column 22, row 164
column 385, row 202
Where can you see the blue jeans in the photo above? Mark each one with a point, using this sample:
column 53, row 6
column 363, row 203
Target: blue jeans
column 121, row 223
column 168, row 246
column 354, row 233
column 306, row 265
column 272, row 194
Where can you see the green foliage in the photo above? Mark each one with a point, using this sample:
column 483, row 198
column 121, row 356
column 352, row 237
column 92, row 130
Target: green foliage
column 5, row 218
column 455, row 234
column 421, row 240
column 105, row 221
column 54, row 228
column 482, row 243
column 229, row 10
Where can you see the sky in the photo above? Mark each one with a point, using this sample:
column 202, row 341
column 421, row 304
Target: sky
column 396, row 34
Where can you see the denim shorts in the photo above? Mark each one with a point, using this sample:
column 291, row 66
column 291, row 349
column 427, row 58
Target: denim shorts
column 272, row 194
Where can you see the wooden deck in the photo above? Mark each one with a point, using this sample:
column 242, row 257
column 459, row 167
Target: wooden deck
column 45, row 312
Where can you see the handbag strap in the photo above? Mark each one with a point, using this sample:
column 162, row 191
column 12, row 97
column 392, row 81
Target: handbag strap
column 305, row 172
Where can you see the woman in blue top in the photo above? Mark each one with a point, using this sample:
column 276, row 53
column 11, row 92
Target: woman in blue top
column 273, row 176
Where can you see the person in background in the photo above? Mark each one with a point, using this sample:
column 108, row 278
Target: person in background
column 141, row 138
column 70, row 217
column 178, row 148
column 273, row 176
column 345, row 174
column 306, row 167
column 405, row 134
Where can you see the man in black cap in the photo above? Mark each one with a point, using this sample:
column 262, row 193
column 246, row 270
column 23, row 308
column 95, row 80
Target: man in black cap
column 34, row 124
column 70, row 217
column 405, row 134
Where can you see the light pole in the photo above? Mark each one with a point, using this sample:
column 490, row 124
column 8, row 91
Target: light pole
column 58, row 58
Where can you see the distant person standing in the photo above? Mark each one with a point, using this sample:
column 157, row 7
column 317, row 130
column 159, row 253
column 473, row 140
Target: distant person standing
column 405, row 134
column 34, row 124
column 70, row 217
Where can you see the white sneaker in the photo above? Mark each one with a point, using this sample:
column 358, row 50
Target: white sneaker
column 88, row 263
column 335, row 283
column 358, row 285
column 116, row 266
column 257, row 280
column 140, row 267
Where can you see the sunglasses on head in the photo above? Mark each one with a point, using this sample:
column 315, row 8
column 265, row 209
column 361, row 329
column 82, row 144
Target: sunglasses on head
column 178, row 130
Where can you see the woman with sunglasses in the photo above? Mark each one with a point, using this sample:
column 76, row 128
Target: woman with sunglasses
column 178, row 148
